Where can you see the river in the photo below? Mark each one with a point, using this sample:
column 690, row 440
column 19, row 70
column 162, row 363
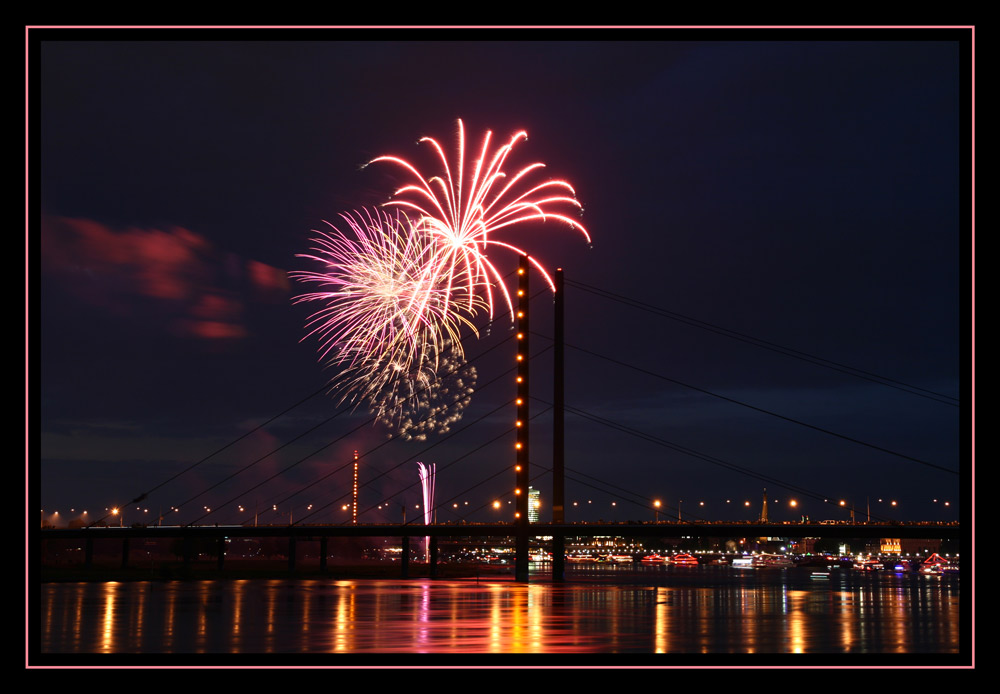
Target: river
column 647, row 615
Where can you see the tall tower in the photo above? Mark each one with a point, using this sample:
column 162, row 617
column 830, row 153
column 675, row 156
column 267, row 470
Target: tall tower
column 354, row 492
column 534, row 503
column 558, row 401
column 521, row 427
column 763, row 509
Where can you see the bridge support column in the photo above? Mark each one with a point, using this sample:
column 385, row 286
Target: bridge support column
column 522, row 478
column 434, row 556
column 558, row 434
column 558, row 558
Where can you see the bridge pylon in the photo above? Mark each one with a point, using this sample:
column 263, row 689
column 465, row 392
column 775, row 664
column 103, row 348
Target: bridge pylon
column 521, row 476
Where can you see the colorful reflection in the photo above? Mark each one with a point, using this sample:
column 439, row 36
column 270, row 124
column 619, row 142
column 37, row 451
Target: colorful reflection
column 726, row 615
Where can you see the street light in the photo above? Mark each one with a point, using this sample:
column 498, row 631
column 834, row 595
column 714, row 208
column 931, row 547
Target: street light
column 656, row 505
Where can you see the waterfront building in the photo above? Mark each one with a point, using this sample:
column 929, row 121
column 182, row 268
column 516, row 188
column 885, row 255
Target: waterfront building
column 534, row 504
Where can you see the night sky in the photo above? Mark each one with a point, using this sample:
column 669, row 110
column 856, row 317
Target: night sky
column 777, row 294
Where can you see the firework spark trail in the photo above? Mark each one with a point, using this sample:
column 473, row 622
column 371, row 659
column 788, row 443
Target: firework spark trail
column 462, row 222
column 377, row 288
column 386, row 316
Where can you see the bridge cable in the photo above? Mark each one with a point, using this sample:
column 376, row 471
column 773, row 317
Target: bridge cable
column 787, row 351
column 757, row 409
column 681, row 449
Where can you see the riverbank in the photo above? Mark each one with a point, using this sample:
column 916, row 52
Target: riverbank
column 235, row 570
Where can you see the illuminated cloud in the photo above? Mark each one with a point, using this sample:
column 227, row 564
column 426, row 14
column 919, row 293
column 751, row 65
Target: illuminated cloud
column 174, row 277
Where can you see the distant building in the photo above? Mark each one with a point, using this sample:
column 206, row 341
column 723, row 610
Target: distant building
column 889, row 545
column 534, row 504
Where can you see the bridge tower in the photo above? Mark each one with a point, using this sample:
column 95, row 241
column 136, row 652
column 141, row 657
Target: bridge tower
column 521, row 477
column 558, row 433
column 354, row 492
column 763, row 508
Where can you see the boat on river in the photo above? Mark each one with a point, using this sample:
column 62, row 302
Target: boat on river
column 937, row 565
column 772, row 561
column 868, row 564
column 653, row 559
column 684, row 560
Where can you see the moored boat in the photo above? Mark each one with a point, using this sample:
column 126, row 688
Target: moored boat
column 684, row 560
column 653, row 559
column 772, row 561
column 868, row 564
column 936, row 565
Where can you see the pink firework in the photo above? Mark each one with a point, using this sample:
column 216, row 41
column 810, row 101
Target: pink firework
column 462, row 211
column 385, row 311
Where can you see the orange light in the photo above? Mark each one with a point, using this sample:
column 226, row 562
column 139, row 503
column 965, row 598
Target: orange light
column 520, row 271
column 520, row 358
column 517, row 491
column 519, row 401
column 517, row 445
column 520, row 292
column 520, row 336
column 517, row 423
column 520, row 314
column 519, row 379
column 517, row 468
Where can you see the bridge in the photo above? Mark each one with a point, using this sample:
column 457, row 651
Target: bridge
column 558, row 532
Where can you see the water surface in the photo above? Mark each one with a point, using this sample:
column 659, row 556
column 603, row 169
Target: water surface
column 662, row 610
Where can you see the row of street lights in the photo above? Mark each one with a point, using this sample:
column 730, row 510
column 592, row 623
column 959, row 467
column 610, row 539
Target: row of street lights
column 656, row 505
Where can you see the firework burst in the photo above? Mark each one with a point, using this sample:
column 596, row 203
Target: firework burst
column 385, row 315
column 429, row 399
column 461, row 211
column 396, row 289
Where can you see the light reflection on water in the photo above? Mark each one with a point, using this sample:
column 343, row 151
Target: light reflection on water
column 702, row 610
